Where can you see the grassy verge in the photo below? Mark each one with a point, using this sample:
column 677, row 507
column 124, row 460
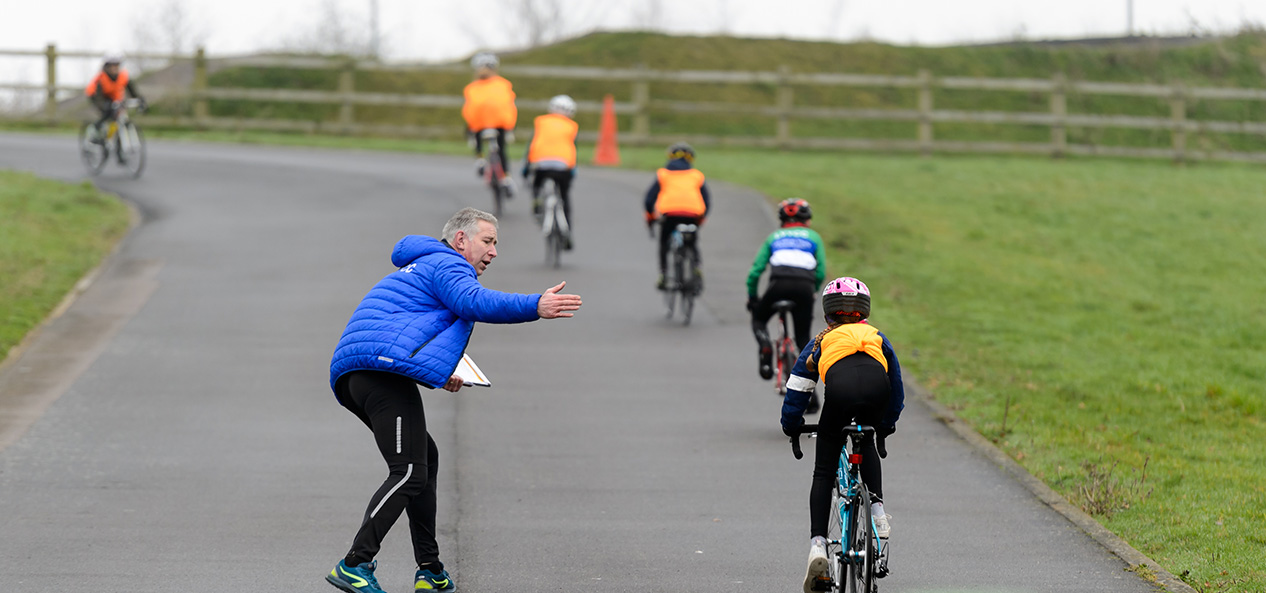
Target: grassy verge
column 51, row 234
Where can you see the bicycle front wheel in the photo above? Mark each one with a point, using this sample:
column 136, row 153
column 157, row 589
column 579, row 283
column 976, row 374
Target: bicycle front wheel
column 861, row 549
column 92, row 154
column 132, row 149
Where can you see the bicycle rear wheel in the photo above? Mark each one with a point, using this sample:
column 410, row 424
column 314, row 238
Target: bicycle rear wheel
column 495, row 176
column 861, row 565
column 553, row 246
column 93, row 155
column 131, row 149
column 688, row 284
column 834, row 537
column 672, row 280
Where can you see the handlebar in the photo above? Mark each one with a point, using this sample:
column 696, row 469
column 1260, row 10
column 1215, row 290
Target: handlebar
column 852, row 430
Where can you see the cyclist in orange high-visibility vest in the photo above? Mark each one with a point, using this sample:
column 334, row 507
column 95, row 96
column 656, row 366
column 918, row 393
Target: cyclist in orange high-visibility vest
column 107, row 90
column 678, row 196
column 489, row 105
column 552, row 155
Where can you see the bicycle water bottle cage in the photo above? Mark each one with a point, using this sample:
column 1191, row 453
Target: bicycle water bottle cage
column 488, row 134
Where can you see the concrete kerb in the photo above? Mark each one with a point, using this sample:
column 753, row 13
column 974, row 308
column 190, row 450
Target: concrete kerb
column 1113, row 543
column 10, row 432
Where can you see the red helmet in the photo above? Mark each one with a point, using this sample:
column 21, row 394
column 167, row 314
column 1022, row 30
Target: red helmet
column 794, row 210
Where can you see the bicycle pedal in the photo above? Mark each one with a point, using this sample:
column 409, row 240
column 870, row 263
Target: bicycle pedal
column 822, row 584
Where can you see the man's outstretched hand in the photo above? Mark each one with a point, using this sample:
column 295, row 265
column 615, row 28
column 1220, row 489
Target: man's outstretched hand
column 553, row 305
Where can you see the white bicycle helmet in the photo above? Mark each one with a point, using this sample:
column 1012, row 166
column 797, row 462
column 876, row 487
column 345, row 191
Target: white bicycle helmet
column 111, row 58
column 485, row 60
column 562, row 105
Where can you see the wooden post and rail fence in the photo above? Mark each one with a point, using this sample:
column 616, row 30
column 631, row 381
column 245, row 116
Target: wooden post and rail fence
column 640, row 106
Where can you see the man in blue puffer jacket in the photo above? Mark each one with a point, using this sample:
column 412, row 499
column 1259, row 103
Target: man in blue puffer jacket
column 412, row 327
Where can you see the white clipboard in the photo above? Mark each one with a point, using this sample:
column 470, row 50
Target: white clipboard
column 470, row 373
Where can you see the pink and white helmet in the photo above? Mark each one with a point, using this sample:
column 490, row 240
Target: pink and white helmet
column 846, row 295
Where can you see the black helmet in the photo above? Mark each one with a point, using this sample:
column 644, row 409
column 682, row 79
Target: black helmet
column 681, row 150
column 794, row 210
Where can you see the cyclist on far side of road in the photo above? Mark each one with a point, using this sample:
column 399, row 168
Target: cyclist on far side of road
column 678, row 196
column 552, row 155
column 107, row 90
column 797, row 268
column 489, row 104
column 862, row 380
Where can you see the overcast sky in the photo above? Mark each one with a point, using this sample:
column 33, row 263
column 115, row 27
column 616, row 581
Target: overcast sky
column 445, row 29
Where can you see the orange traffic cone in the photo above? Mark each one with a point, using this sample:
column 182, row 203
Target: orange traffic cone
column 607, row 152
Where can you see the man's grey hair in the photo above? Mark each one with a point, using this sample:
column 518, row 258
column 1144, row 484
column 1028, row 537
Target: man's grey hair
column 466, row 220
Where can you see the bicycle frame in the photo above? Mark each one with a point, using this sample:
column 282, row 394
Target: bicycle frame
column 782, row 347
column 849, row 500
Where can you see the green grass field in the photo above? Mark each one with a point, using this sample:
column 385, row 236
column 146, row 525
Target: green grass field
column 51, row 234
column 1102, row 321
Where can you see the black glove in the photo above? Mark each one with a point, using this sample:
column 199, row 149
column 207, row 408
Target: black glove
column 143, row 106
column 884, row 431
column 793, row 431
column 751, row 304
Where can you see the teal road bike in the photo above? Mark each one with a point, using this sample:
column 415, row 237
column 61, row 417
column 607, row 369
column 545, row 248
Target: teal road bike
column 858, row 558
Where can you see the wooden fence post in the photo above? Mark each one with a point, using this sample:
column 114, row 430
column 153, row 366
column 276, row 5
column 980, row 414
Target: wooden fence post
column 925, row 113
column 50, row 97
column 1178, row 115
column 1059, row 113
column 200, row 109
column 347, row 88
column 785, row 99
column 641, row 102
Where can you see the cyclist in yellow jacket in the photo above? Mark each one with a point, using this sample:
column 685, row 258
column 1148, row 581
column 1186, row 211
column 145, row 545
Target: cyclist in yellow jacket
column 678, row 196
column 862, row 384
column 552, row 155
column 489, row 105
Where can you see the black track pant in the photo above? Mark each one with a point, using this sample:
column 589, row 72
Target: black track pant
column 666, row 226
column 562, row 180
column 800, row 292
column 391, row 406
column 857, row 390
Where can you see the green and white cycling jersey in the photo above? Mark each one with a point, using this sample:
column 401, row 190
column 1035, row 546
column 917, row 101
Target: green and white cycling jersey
column 793, row 252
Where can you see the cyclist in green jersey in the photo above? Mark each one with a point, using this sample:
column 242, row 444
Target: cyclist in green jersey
column 797, row 268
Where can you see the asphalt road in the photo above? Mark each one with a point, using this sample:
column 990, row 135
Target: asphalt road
column 174, row 430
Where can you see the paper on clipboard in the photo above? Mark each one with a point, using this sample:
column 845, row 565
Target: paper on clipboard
column 470, row 373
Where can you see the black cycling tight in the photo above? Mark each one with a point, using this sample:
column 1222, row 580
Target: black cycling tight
column 391, row 406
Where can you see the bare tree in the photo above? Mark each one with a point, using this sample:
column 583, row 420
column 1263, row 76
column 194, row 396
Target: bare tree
column 649, row 16
column 167, row 28
column 335, row 32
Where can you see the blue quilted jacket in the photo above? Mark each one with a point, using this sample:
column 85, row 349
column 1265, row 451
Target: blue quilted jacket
column 417, row 321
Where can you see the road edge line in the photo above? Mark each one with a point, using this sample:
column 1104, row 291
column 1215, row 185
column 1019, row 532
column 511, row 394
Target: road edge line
column 1112, row 542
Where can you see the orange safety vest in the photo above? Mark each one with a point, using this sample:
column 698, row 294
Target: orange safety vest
column 849, row 339
column 489, row 104
column 679, row 193
column 113, row 89
column 554, row 139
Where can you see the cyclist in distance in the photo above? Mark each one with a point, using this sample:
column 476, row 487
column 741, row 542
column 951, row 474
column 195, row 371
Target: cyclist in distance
column 107, row 91
column 862, row 379
column 552, row 154
column 797, row 268
column 678, row 196
column 489, row 104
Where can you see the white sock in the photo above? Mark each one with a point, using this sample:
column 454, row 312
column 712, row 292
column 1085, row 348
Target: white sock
column 877, row 509
column 819, row 540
